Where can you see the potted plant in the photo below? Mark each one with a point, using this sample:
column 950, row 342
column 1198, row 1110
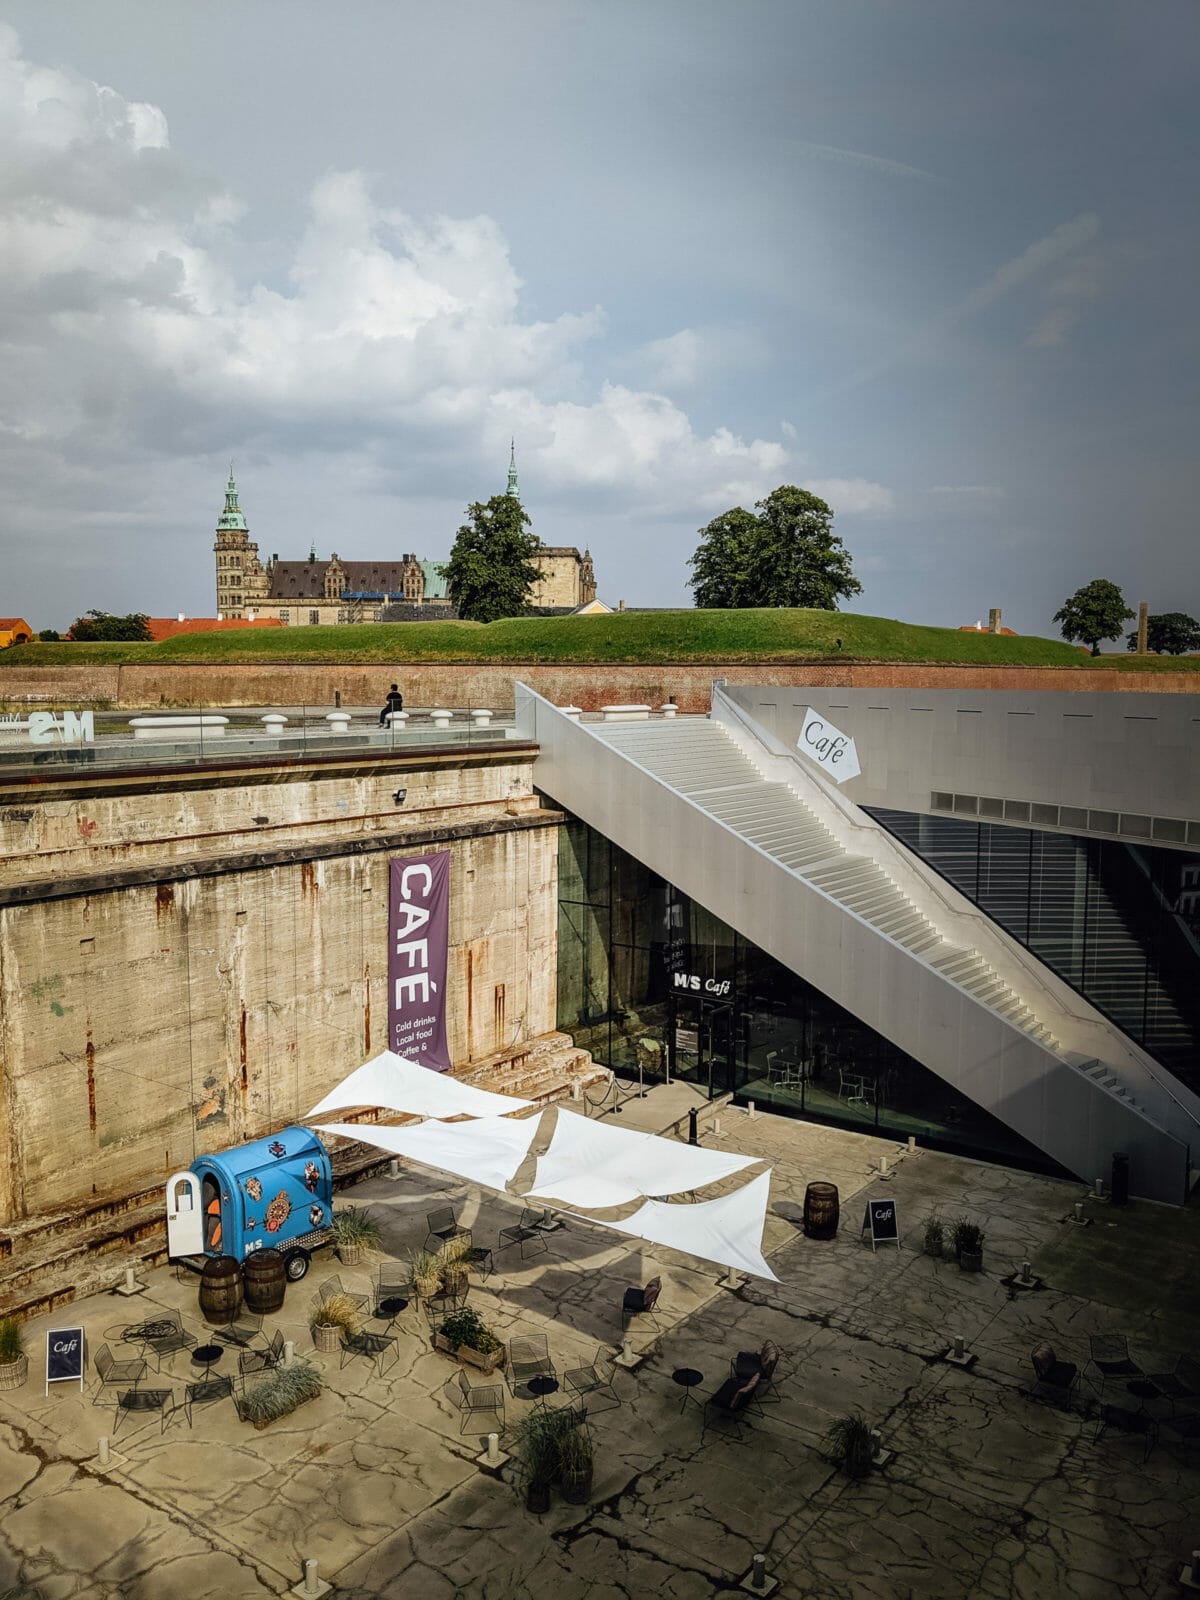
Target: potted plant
column 967, row 1240
column 454, row 1259
column 427, row 1273
column 332, row 1318
column 355, row 1231
column 536, row 1447
column 14, row 1363
column 934, row 1230
column 575, row 1466
column 464, row 1334
column 285, row 1389
column 848, row 1440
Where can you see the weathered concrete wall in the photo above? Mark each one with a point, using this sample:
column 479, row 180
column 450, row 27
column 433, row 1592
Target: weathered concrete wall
column 589, row 685
column 144, row 1025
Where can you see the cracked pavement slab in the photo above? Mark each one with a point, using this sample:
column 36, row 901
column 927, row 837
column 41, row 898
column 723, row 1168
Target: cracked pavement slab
column 989, row 1492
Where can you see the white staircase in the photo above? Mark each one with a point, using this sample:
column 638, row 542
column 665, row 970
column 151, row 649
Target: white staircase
column 810, row 878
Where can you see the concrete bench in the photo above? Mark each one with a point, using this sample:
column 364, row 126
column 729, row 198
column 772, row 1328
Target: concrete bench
column 481, row 718
column 441, row 718
column 396, row 719
column 339, row 721
column 274, row 721
column 669, row 709
column 574, row 712
column 181, row 727
column 625, row 713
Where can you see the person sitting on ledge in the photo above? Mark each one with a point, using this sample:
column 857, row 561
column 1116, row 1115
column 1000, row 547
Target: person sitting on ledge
column 394, row 702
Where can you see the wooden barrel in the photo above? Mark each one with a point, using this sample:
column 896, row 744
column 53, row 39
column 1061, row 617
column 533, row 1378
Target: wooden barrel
column 220, row 1290
column 821, row 1210
column 265, row 1280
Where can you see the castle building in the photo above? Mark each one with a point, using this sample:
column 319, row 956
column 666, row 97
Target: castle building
column 307, row 593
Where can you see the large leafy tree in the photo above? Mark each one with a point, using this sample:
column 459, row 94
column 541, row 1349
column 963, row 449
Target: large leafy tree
column 784, row 553
column 492, row 565
column 1171, row 633
column 95, row 625
column 1097, row 611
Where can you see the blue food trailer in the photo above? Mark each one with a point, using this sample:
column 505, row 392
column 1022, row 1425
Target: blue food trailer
column 273, row 1193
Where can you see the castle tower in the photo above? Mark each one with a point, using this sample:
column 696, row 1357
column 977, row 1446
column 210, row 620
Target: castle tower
column 512, row 470
column 240, row 577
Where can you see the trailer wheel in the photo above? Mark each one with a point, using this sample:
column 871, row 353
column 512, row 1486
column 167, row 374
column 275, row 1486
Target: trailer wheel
column 295, row 1265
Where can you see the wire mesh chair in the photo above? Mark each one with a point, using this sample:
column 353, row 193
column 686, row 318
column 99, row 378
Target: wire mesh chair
column 485, row 1397
column 526, row 1233
column 641, row 1303
column 113, row 1373
column 251, row 1362
column 443, row 1226
column 528, row 1358
column 332, row 1286
column 1109, row 1360
column 596, row 1379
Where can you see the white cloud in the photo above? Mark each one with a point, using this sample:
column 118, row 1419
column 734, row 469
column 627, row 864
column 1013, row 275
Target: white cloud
column 859, row 158
column 1067, row 298
column 853, row 496
column 1061, row 241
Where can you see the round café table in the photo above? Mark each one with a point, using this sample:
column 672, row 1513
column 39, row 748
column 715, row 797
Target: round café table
column 541, row 1387
column 207, row 1356
column 687, row 1378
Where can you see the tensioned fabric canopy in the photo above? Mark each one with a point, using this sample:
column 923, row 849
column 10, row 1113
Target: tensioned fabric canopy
column 592, row 1165
column 396, row 1084
column 728, row 1230
column 488, row 1150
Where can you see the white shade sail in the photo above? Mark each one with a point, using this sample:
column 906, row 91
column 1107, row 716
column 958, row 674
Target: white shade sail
column 487, row 1151
column 728, row 1230
column 393, row 1083
column 594, row 1165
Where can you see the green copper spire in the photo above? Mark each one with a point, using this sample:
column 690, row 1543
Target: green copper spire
column 233, row 518
column 512, row 471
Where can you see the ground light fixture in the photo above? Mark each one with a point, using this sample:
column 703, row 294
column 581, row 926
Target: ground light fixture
column 400, row 796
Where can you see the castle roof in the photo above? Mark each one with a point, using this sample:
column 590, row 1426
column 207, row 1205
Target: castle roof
column 305, row 580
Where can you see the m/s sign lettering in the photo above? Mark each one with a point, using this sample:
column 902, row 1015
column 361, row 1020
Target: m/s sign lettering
column 834, row 751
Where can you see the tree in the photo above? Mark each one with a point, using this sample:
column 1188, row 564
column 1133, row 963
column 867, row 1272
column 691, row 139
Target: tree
column 491, row 567
column 1171, row 633
column 47, row 635
column 785, row 553
column 1093, row 613
column 95, row 625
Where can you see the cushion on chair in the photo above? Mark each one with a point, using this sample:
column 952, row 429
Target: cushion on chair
column 1043, row 1360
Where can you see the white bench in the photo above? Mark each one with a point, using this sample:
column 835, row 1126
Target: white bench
column 396, row 719
column 182, row 727
column 441, row 718
column 339, row 721
column 625, row 713
column 274, row 721
column 574, row 712
column 481, row 718
column 669, row 708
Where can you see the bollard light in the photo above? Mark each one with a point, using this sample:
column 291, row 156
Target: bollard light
column 102, row 1450
column 883, row 1172
column 1099, row 1186
column 575, row 1089
column 1026, row 1272
column 393, row 1168
column 959, row 1346
column 627, row 1348
column 912, row 1141
column 758, row 1576
column 312, row 1583
column 493, row 1449
column 750, row 1109
column 1079, row 1211
column 716, row 1125
column 130, row 1285
column 289, row 1352
column 876, row 1443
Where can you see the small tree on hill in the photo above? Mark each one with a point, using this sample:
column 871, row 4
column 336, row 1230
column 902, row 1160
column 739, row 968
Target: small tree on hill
column 491, row 567
column 1095, row 612
column 48, row 635
column 95, row 625
column 783, row 554
column 1172, row 633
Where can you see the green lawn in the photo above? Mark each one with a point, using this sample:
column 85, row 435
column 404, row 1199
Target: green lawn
column 663, row 636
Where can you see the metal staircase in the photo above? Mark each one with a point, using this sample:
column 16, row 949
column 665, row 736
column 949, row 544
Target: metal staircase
column 749, row 832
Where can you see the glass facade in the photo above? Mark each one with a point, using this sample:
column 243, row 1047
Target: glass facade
column 1118, row 922
column 652, row 983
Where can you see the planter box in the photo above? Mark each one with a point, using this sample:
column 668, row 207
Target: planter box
column 467, row 1357
column 259, row 1426
column 328, row 1340
column 350, row 1254
column 14, row 1373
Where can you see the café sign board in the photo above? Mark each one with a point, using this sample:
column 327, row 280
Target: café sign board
column 64, row 1356
column 832, row 750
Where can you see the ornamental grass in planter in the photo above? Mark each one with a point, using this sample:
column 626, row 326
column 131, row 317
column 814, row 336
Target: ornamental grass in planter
column 14, row 1363
column 427, row 1273
column 537, row 1445
column 933, row 1231
column 331, row 1318
column 454, row 1260
column 967, row 1239
column 576, row 1464
column 285, row 1389
column 848, row 1440
column 464, row 1334
column 355, row 1232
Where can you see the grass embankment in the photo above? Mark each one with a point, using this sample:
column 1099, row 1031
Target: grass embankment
column 654, row 637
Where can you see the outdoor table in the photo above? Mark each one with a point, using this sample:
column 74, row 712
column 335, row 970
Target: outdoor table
column 391, row 1306
column 542, row 1386
column 207, row 1356
column 687, row 1378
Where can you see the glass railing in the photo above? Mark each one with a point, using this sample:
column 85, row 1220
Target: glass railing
column 66, row 738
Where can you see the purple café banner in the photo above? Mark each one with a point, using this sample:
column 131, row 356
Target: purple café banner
column 418, row 950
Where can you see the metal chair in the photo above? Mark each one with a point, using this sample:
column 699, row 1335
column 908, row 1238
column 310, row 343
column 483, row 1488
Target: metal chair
column 528, row 1357
column 114, row 1373
column 641, row 1303
column 1109, row 1358
column 443, row 1226
column 242, row 1329
column 206, row 1393
column 730, row 1403
column 175, row 1337
column 251, row 1362
column 332, row 1286
column 373, row 1347
column 525, row 1232
column 1055, row 1380
column 393, row 1289
column 1180, row 1387
column 145, row 1401
column 485, row 1397
column 758, row 1364
column 596, row 1379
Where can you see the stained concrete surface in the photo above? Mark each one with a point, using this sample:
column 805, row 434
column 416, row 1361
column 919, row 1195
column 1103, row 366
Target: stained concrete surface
column 989, row 1493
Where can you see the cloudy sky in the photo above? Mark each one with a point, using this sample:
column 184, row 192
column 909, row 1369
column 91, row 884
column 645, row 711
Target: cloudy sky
column 937, row 262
